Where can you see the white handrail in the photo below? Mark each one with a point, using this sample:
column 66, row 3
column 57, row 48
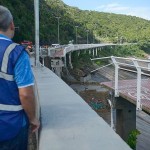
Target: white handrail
column 139, row 72
column 101, row 67
column 101, row 58
column 125, row 64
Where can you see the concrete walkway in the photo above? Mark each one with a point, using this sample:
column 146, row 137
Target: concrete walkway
column 68, row 123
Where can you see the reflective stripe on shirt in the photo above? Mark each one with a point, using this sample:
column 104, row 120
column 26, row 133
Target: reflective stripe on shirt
column 10, row 107
column 6, row 76
column 3, row 38
column 6, row 58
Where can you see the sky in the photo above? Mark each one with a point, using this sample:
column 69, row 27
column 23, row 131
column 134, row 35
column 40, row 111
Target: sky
column 139, row 8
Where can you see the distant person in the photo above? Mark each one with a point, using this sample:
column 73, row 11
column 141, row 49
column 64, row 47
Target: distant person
column 17, row 101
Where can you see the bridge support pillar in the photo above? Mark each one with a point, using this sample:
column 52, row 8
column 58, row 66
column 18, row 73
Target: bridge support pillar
column 57, row 71
column 65, row 61
column 96, row 51
column 99, row 49
column 70, row 64
column 93, row 52
column 57, row 65
column 125, row 117
column 46, row 61
column 89, row 52
column 78, row 53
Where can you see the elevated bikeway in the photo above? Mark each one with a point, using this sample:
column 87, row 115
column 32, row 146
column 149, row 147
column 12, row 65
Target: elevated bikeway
column 72, row 48
column 62, row 50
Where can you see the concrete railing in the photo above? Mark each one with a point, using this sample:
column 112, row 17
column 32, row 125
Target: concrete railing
column 34, row 137
column 67, row 122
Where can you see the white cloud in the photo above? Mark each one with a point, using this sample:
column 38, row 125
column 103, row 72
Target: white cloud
column 142, row 12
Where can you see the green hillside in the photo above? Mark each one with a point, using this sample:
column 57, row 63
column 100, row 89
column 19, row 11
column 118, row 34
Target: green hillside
column 102, row 27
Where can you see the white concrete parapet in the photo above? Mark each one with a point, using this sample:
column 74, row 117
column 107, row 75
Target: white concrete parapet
column 68, row 122
column 75, row 47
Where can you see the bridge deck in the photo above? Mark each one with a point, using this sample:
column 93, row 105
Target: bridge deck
column 127, row 90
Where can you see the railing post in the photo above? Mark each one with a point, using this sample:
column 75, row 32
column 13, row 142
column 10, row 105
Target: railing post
column 138, row 103
column 116, row 76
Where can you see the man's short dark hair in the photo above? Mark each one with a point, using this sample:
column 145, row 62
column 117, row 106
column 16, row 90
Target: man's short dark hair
column 5, row 18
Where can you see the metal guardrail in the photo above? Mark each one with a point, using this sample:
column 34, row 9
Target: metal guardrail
column 132, row 62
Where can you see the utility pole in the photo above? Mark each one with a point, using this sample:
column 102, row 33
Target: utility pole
column 93, row 38
column 58, row 29
column 76, row 33
column 87, row 40
column 36, row 14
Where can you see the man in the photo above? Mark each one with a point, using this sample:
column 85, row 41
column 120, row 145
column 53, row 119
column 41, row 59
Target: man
column 17, row 101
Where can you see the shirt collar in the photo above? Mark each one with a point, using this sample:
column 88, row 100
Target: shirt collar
column 4, row 37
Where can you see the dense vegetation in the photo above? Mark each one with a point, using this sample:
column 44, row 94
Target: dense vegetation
column 132, row 139
column 83, row 59
column 99, row 26
column 23, row 13
column 105, row 27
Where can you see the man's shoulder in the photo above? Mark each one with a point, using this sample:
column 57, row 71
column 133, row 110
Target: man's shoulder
column 17, row 52
column 22, row 48
column 12, row 44
column 18, row 45
column 18, row 48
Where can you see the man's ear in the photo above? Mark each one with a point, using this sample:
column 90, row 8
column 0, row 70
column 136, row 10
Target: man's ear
column 12, row 26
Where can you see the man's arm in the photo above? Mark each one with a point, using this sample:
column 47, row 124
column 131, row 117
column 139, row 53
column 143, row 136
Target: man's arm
column 25, row 81
column 27, row 99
